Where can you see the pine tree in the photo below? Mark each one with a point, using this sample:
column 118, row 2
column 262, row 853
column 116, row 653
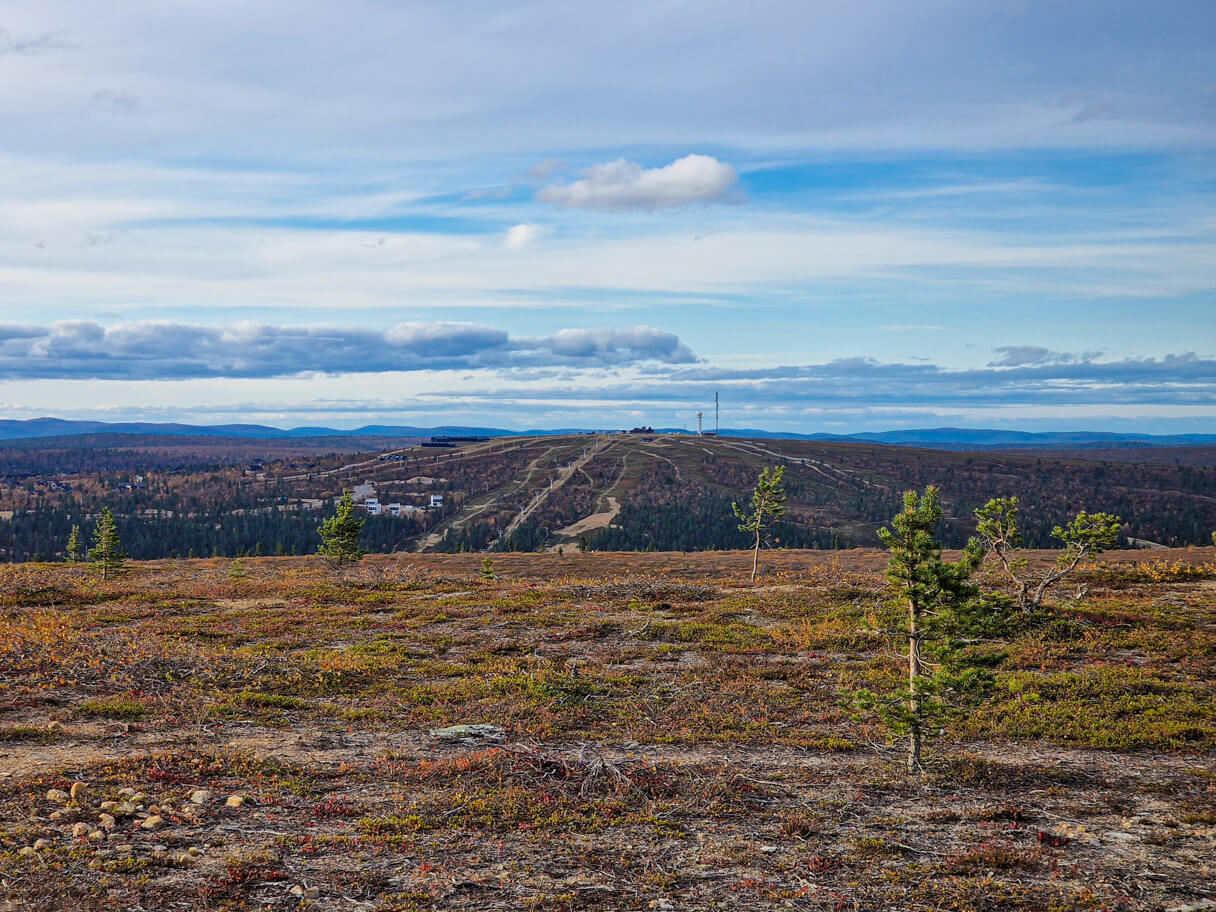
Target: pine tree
column 936, row 601
column 998, row 531
column 107, row 555
column 340, row 535
column 768, row 506
column 75, row 547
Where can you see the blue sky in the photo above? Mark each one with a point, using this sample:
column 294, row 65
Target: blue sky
column 543, row 214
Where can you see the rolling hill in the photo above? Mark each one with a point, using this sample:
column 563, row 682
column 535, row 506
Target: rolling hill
column 654, row 491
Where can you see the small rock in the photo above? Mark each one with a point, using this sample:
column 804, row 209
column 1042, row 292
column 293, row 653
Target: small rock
column 469, row 734
column 305, row 892
column 184, row 858
column 55, row 815
column 124, row 809
column 125, row 847
column 54, row 726
column 81, row 829
column 27, row 850
column 155, row 822
column 235, row 801
column 127, row 792
column 108, row 805
column 155, row 809
column 200, row 796
column 106, row 822
column 40, row 844
column 78, row 790
column 96, row 835
column 194, row 850
column 57, row 795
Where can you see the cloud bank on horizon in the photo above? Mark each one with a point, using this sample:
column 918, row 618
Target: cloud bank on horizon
column 856, row 217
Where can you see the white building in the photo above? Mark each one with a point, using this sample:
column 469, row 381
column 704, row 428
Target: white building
column 372, row 506
column 436, row 501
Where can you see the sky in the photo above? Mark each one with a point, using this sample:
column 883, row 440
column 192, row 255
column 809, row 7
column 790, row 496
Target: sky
column 839, row 217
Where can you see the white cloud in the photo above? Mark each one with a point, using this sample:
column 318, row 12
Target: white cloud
column 521, row 236
column 627, row 185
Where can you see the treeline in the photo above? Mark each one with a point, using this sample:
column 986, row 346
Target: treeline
column 43, row 534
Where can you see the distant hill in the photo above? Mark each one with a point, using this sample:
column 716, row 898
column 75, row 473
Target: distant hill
column 57, row 427
column 933, row 438
column 984, row 439
column 176, row 495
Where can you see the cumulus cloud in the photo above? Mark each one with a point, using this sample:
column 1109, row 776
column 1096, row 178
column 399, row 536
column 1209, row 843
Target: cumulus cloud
column 521, row 236
column 160, row 350
column 627, row 185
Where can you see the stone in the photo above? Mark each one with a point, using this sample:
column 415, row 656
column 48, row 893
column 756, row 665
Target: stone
column 55, row 815
column 470, row 734
column 96, row 835
column 78, row 790
column 108, row 805
column 127, row 792
column 124, row 809
column 305, row 892
column 27, row 850
column 81, row 829
column 155, row 822
column 235, row 801
column 200, row 796
column 40, row 844
column 106, row 822
column 57, row 795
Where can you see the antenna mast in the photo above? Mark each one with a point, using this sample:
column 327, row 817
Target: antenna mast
column 716, row 428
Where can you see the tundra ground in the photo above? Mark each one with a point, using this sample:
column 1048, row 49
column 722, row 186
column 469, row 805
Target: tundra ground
column 664, row 737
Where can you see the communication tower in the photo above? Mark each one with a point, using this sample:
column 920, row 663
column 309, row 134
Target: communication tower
column 698, row 424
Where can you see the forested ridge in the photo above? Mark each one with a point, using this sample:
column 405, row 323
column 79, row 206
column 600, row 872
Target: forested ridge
column 588, row 492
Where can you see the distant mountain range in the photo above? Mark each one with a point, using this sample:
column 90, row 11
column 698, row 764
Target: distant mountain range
column 931, row 438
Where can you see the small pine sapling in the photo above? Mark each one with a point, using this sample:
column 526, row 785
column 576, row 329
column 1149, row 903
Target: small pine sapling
column 237, row 572
column 487, row 571
column 768, row 506
column 340, row 535
column 74, row 552
column 932, row 604
column 107, row 555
